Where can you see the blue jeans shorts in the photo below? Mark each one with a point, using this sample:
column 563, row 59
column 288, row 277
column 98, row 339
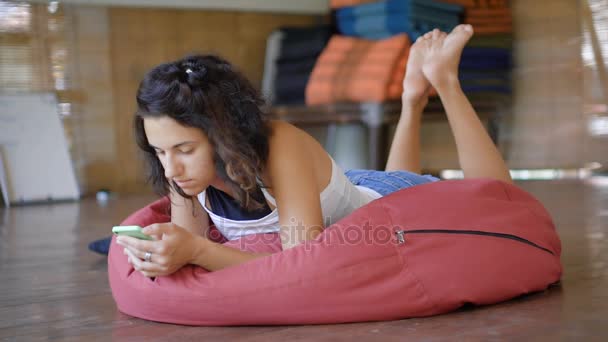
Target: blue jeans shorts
column 386, row 182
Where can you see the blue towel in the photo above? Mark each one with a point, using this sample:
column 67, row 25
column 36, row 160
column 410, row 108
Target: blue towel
column 484, row 64
column 390, row 6
column 291, row 88
column 296, row 66
column 479, row 58
column 384, row 19
column 377, row 27
column 397, row 22
column 491, row 74
column 299, row 50
column 485, row 80
column 299, row 33
column 486, row 52
column 301, row 42
column 468, row 89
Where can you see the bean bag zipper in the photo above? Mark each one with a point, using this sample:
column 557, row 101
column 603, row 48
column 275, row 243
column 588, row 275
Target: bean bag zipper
column 401, row 235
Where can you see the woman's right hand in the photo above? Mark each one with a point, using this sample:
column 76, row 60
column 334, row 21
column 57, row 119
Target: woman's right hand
column 174, row 248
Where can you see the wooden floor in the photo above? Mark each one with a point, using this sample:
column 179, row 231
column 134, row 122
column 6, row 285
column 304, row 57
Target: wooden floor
column 53, row 288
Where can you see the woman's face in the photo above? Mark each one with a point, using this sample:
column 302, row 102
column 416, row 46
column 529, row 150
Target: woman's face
column 184, row 152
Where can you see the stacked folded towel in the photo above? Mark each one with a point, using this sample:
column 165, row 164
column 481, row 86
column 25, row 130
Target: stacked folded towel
column 367, row 63
column 487, row 16
column 486, row 61
column 344, row 3
column 359, row 70
column 291, row 54
column 384, row 19
column 485, row 69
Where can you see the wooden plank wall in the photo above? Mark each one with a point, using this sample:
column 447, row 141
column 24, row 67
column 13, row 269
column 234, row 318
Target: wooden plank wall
column 595, row 78
column 545, row 126
column 94, row 135
column 116, row 46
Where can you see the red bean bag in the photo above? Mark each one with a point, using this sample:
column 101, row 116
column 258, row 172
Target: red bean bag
column 421, row 251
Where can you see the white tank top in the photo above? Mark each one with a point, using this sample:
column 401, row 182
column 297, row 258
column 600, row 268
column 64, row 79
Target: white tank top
column 338, row 199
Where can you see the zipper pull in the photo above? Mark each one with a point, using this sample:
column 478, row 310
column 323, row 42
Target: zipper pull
column 400, row 236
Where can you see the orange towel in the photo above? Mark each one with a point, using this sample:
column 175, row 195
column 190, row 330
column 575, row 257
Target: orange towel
column 353, row 69
column 488, row 21
column 488, row 12
column 344, row 3
column 465, row 3
column 479, row 3
column 487, row 16
column 346, row 44
column 490, row 25
column 493, row 29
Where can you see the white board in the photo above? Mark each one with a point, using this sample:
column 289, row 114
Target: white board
column 37, row 165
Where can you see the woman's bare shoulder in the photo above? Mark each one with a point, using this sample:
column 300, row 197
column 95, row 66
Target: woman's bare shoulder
column 286, row 137
column 281, row 128
column 288, row 142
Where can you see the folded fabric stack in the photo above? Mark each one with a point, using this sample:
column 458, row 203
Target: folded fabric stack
column 485, row 69
column 367, row 63
column 487, row 16
column 486, row 61
column 344, row 3
column 384, row 19
column 359, row 70
column 291, row 54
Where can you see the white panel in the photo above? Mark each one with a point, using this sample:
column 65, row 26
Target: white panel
column 35, row 153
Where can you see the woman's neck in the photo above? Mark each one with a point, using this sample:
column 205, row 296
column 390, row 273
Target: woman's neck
column 222, row 186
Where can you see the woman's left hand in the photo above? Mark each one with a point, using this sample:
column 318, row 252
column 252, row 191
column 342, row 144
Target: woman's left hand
column 173, row 248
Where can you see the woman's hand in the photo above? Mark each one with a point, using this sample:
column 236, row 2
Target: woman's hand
column 173, row 248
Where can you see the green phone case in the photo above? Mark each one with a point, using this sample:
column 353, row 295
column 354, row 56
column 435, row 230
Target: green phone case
column 134, row 231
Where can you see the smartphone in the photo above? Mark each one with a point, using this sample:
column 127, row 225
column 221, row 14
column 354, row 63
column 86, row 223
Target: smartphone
column 134, row 231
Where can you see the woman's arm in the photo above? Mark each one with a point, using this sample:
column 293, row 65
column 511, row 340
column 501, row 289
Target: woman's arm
column 205, row 253
column 215, row 256
column 294, row 179
column 298, row 168
column 179, row 247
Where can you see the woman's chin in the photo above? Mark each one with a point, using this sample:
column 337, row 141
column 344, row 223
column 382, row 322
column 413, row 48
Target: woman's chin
column 192, row 190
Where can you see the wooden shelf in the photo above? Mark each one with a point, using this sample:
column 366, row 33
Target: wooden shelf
column 349, row 112
column 376, row 117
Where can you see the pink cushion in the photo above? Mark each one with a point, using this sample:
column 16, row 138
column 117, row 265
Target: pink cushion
column 485, row 242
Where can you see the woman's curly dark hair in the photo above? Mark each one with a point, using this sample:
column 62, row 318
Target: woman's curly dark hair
column 206, row 92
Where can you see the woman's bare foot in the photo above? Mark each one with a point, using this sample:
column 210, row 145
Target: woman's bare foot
column 415, row 85
column 441, row 54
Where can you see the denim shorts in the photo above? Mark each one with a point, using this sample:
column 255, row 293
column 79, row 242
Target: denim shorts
column 386, row 182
